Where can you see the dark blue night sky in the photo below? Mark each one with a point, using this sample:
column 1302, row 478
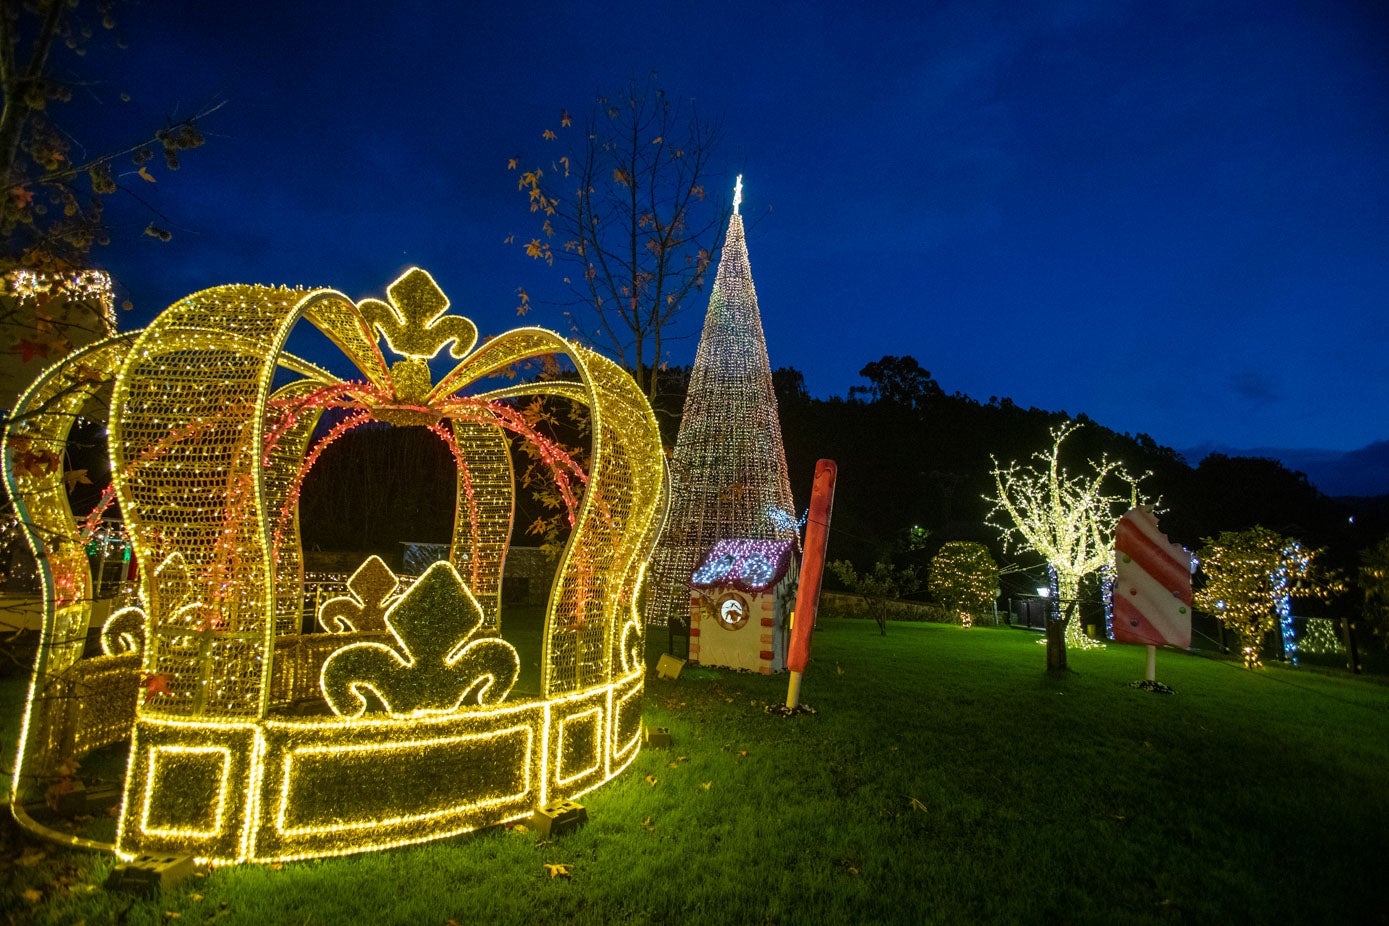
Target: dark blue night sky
column 1173, row 217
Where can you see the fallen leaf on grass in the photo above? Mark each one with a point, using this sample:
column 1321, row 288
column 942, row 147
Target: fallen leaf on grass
column 743, row 753
column 647, row 824
column 172, row 915
column 558, row 871
column 682, row 758
column 918, row 806
column 651, row 780
column 673, row 765
column 544, row 842
column 195, row 897
column 837, row 669
column 275, row 866
column 32, row 895
column 707, row 785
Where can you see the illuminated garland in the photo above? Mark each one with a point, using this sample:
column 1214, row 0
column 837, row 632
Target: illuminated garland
column 1107, row 596
column 749, row 565
column 207, row 461
column 728, row 471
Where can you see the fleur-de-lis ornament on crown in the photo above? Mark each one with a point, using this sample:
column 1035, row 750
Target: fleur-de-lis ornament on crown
column 414, row 323
column 439, row 661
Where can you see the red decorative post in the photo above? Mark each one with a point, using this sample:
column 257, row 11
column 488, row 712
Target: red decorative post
column 812, row 571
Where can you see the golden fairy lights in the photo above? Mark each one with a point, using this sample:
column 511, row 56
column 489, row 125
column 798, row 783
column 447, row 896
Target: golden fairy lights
column 207, row 460
column 1066, row 519
column 728, row 471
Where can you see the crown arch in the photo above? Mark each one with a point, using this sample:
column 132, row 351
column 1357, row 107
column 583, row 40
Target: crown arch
column 208, row 454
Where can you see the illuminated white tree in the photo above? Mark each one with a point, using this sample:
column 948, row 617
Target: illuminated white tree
column 1067, row 520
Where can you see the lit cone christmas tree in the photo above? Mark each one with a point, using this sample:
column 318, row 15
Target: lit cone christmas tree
column 728, row 474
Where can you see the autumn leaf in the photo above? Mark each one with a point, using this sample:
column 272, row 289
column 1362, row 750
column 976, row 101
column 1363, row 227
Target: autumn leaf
column 622, row 176
column 146, row 176
column 651, row 780
column 565, row 120
column 548, row 135
column 32, row 895
column 524, row 305
column 673, row 765
column 558, row 871
column 538, row 249
column 917, row 806
column 707, row 785
column 75, row 477
column 154, row 231
column 28, row 350
column 648, row 824
column 21, row 197
column 155, row 684
column 565, row 162
column 88, row 374
column 36, row 462
column 511, row 164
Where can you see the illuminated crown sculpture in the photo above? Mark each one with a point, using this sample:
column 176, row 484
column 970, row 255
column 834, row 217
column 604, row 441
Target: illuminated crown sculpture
column 728, row 471
column 210, row 434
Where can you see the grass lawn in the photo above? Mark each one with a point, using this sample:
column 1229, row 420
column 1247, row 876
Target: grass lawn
column 944, row 778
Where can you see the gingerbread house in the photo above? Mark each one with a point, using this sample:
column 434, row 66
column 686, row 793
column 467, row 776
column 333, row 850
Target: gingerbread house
column 741, row 597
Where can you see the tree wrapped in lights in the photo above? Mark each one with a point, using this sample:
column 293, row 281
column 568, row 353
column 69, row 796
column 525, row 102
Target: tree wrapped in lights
column 963, row 578
column 728, row 473
column 1067, row 520
column 1251, row 578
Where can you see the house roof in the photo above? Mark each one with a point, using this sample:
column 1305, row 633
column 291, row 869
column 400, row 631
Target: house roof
column 747, row 565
